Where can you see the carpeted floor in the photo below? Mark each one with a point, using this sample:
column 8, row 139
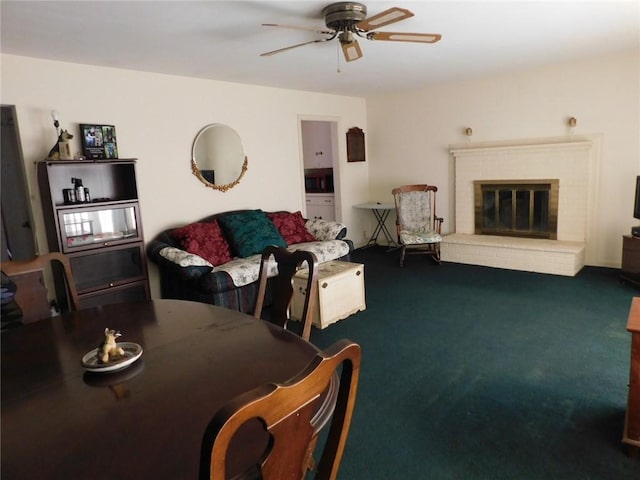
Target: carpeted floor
column 479, row 373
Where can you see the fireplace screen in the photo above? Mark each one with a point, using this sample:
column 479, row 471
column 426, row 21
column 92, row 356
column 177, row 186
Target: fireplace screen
column 521, row 208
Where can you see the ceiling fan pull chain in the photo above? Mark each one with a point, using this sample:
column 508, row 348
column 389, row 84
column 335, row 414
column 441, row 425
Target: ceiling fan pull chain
column 338, row 54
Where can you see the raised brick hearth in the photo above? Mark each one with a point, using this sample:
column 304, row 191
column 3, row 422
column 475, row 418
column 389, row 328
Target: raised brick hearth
column 527, row 254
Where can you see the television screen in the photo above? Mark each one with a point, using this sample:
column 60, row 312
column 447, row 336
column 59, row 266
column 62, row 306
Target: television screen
column 636, row 205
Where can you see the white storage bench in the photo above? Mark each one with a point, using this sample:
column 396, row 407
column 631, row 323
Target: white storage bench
column 340, row 292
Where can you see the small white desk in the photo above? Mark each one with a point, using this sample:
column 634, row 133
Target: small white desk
column 381, row 212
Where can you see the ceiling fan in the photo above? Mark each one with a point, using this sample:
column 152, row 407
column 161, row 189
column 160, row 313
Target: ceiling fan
column 348, row 20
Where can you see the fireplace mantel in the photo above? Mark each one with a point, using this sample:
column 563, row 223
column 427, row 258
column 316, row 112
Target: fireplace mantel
column 537, row 145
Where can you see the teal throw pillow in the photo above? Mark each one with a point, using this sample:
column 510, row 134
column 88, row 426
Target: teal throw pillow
column 250, row 232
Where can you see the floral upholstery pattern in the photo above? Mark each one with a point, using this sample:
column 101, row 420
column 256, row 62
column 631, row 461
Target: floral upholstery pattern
column 188, row 264
column 244, row 271
column 418, row 238
column 250, row 232
column 204, row 239
column 324, row 229
column 291, row 226
column 415, row 219
column 232, row 284
column 415, row 211
column 418, row 226
column 184, row 259
column 324, row 250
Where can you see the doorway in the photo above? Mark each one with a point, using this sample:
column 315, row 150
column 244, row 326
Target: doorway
column 320, row 164
column 18, row 240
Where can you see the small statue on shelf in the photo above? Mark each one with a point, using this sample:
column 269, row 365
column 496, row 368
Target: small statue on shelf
column 61, row 150
column 108, row 349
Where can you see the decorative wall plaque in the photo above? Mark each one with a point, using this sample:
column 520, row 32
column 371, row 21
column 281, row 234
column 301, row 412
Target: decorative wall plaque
column 355, row 145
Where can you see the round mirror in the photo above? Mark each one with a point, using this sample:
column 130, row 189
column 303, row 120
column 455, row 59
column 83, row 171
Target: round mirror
column 217, row 157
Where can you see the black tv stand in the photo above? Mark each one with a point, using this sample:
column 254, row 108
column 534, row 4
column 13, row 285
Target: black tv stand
column 631, row 259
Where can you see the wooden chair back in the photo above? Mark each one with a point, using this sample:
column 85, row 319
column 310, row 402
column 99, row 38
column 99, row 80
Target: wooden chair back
column 285, row 410
column 281, row 286
column 31, row 293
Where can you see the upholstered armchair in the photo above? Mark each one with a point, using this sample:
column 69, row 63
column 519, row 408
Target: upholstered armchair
column 418, row 226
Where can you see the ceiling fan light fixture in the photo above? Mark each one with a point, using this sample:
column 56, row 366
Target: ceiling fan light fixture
column 345, row 37
column 351, row 51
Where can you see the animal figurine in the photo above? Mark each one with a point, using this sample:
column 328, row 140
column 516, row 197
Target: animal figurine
column 54, row 153
column 109, row 349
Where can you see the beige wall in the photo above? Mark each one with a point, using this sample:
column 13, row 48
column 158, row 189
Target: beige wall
column 157, row 117
column 410, row 132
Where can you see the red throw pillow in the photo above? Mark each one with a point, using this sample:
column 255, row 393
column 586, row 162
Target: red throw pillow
column 291, row 227
column 205, row 240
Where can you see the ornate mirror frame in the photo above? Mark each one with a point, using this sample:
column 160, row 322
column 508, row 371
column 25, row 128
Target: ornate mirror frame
column 197, row 171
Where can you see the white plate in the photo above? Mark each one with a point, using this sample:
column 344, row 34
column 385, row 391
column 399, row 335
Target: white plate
column 132, row 352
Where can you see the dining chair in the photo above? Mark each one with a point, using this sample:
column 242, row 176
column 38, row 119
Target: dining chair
column 281, row 286
column 285, row 410
column 418, row 227
column 30, row 292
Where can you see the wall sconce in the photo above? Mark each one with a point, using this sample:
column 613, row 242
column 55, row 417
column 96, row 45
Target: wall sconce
column 572, row 122
column 468, row 131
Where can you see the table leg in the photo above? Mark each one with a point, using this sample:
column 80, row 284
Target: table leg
column 381, row 227
column 382, row 218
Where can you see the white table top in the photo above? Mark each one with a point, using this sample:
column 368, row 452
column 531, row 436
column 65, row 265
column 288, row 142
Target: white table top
column 376, row 206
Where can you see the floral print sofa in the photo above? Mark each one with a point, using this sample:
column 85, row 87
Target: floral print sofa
column 217, row 259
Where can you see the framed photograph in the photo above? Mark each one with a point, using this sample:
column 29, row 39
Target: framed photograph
column 98, row 141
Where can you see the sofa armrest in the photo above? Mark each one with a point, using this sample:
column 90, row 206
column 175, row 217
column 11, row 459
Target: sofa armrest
column 326, row 229
column 176, row 262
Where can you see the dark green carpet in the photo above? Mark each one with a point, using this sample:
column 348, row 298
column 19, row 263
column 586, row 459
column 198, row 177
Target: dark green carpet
column 479, row 373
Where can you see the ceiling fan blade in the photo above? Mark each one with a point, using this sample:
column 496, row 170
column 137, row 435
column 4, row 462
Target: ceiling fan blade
column 316, row 30
column 386, row 17
column 351, row 50
column 405, row 37
column 279, row 50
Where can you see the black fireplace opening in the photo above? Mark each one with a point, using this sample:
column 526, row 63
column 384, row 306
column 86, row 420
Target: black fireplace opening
column 520, row 208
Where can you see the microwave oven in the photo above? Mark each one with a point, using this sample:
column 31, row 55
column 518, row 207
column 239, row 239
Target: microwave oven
column 318, row 182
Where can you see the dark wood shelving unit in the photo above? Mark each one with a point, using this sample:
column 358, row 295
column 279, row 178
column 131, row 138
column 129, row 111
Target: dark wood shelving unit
column 631, row 260
column 102, row 236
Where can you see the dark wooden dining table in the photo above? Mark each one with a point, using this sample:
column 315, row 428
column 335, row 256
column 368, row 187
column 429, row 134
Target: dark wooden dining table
column 147, row 420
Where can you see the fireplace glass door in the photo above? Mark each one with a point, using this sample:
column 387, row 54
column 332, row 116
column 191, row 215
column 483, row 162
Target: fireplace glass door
column 516, row 208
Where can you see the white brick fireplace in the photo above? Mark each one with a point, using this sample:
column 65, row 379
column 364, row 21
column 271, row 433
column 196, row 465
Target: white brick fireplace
column 570, row 160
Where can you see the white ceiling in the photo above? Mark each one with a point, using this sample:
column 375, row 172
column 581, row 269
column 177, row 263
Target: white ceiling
column 222, row 40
